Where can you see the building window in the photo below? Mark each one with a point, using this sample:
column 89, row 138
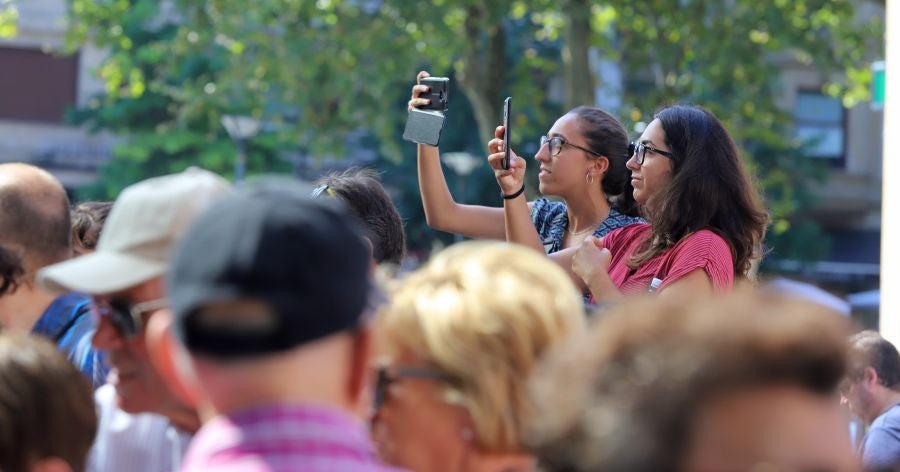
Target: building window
column 819, row 125
column 36, row 86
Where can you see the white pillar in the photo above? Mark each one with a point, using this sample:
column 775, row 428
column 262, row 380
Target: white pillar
column 890, row 202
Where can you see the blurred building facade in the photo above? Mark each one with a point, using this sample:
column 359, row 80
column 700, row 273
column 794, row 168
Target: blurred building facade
column 39, row 82
column 848, row 204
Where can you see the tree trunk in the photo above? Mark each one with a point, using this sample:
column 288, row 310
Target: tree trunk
column 579, row 81
column 482, row 70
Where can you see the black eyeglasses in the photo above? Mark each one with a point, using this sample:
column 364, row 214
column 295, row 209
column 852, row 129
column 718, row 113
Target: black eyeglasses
column 389, row 374
column 126, row 316
column 639, row 150
column 556, row 144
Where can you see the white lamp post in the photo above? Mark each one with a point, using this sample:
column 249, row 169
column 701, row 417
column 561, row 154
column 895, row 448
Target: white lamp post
column 241, row 129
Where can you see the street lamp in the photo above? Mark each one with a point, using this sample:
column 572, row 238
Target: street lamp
column 462, row 163
column 240, row 129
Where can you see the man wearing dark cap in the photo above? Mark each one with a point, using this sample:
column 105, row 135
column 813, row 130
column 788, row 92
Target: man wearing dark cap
column 268, row 290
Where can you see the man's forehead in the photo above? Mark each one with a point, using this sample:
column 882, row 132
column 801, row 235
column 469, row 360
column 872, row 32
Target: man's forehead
column 152, row 289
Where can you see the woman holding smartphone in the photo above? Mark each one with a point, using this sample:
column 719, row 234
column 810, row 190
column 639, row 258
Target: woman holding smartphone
column 582, row 161
column 705, row 222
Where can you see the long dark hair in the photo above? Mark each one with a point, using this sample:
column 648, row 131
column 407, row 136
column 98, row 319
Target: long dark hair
column 606, row 136
column 710, row 189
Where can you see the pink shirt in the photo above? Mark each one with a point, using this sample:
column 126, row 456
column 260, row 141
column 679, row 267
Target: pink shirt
column 701, row 250
column 282, row 438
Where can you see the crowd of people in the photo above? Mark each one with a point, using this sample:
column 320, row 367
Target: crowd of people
column 192, row 325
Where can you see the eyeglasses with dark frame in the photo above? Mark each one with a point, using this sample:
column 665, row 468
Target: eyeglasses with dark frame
column 386, row 375
column 126, row 316
column 557, row 142
column 639, row 150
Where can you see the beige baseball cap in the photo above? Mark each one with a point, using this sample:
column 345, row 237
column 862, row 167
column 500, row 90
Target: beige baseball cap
column 137, row 241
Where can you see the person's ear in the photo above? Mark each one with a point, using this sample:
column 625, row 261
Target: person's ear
column 51, row 464
column 870, row 377
column 371, row 254
column 169, row 358
column 600, row 167
column 359, row 359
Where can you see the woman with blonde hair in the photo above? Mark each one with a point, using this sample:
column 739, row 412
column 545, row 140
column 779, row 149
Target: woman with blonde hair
column 461, row 337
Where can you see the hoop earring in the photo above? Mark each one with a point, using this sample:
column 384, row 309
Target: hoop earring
column 589, row 178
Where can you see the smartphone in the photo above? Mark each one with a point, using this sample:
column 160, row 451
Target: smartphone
column 506, row 107
column 438, row 93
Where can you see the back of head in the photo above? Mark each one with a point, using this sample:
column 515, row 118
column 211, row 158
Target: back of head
column 367, row 200
column 46, row 406
column 484, row 313
column 634, row 384
column 87, row 222
column 34, row 215
column 605, row 135
column 710, row 187
column 302, row 259
column 869, row 349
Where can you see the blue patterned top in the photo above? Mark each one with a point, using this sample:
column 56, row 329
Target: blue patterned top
column 551, row 221
column 68, row 323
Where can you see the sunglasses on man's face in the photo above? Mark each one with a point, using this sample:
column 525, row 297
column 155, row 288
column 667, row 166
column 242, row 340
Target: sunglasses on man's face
column 127, row 317
column 387, row 375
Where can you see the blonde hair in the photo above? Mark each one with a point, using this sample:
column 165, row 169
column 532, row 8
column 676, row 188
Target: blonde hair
column 484, row 313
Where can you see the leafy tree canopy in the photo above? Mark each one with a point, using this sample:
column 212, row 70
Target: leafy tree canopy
column 319, row 71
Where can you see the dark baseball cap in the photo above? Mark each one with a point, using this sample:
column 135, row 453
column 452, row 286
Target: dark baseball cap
column 271, row 243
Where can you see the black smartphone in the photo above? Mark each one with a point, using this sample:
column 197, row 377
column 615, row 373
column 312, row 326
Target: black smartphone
column 438, row 93
column 506, row 108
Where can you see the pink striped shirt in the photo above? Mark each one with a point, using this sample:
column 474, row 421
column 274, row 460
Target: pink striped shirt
column 282, row 438
column 701, row 250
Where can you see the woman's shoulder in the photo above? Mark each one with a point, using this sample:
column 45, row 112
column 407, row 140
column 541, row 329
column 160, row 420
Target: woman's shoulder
column 544, row 204
column 706, row 242
column 626, row 235
column 543, row 209
column 621, row 220
column 704, row 237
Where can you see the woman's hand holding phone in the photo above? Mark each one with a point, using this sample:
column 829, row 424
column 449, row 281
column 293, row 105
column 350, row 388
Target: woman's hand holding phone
column 510, row 180
column 417, row 91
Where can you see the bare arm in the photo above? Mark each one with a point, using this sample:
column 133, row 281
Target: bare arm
column 696, row 284
column 442, row 212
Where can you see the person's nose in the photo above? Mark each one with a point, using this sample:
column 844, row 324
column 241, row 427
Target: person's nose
column 632, row 163
column 543, row 153
column 107, row 336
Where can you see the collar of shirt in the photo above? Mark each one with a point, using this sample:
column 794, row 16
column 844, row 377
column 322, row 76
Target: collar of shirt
column 283, row 436
column 61, row 315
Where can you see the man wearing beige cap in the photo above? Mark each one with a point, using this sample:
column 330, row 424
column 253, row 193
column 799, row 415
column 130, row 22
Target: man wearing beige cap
column 125, row 279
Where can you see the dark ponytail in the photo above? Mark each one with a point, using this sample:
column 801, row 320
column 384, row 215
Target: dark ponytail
column 605, row 135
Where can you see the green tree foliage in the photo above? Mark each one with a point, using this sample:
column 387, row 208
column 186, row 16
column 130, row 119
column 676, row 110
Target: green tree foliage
column 318, row 71
column 727, row 56
column 9, row 17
